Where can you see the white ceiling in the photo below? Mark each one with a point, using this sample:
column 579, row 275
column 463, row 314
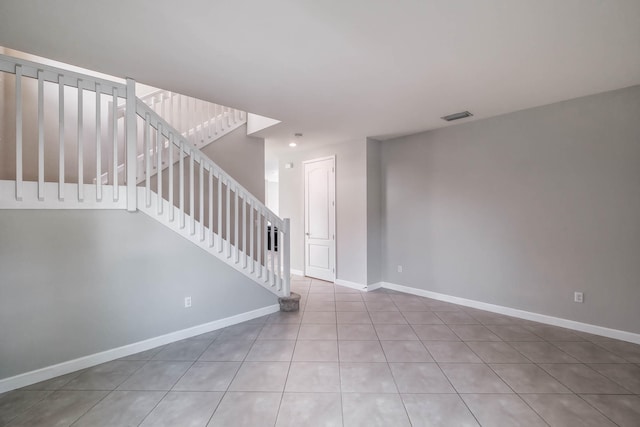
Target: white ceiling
column 342, row 69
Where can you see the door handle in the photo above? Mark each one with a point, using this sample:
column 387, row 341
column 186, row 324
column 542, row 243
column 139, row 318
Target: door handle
column 307, row 234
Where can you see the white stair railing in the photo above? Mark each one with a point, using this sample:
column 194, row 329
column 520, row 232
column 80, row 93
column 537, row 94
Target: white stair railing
column 200, row 122
column 63, row 112
column 75, row 139
column 203, row 202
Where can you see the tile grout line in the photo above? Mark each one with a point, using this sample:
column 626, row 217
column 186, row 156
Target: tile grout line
column 286, row 378
column 234, row 375
column 598, row 410
column 30, row 407
column 111, row 391
column 395, row 382
column 176, row 382
column 339, row 370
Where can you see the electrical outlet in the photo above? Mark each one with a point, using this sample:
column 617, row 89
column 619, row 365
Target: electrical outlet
column 399, row 269
column 578, row 297
column 187, row 302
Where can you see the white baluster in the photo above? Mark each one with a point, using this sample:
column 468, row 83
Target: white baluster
column 216, row 120
column 277, row 248
column 170, row 169
column 131, row 146
column 273, row 251
column 259, row 243
column 190, row 114
column 192, row 194
column 265, row 246
column 180, row 120
column 40, row 135
column 181, row 183
column 159, row 165
column 162, row 106
column 80, row 142
column 172, row 111
column 201, row 119
column 209, row 120
column 98, row 146
column 196, row 119
column 236, row 219
column 219, row 211
column 228, row 219
column 114, row 128
column 286, row 250
column 19, row 182
column 60, row 137
column 222, row 119
column 244, row 229
column 251, row 226
column 201, row 200
column 154, row 152
column 211, row 239
column 147, row 159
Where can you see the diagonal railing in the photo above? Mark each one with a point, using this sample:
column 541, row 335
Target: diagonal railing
column 67, row 134
column 203, row 201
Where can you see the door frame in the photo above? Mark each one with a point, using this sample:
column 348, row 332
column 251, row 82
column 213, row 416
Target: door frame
column 304, row 210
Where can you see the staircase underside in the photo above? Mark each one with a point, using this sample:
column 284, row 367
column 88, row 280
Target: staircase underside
column 170, row 216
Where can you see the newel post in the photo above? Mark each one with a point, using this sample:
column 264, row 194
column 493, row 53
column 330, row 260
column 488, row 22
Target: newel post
column 289, row 301
column 286, row 252
column 131, row 146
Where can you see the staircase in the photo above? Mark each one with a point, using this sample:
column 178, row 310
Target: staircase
column 200, row 122
column 139, row 154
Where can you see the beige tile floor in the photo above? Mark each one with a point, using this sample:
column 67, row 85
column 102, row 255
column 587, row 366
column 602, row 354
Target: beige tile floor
column 355, row 359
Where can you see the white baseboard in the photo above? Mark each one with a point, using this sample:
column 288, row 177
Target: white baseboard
column 352, row 285
column 32, row 377
column 521, row 314
column 297, row 272
column 374, row 286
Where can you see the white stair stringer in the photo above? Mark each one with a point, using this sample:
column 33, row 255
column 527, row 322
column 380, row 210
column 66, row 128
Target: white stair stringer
column 201, row 236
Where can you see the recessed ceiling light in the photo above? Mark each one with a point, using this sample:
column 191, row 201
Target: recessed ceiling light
column 457, row 116
column 294, row 143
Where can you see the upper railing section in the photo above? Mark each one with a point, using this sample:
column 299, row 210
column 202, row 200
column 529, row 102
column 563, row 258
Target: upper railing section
column 68, row 134
column 198, row 121
column 67, row 112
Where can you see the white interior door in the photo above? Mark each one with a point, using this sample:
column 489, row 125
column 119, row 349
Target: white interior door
column 320, row 218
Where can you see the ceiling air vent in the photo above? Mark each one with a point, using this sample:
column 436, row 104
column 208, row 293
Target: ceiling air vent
column 457, row 116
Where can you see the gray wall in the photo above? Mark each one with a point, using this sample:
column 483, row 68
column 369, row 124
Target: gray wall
column 351, row 205
column 523, row 209
column 242, row 157
column 374, row 213
column 79, row 282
